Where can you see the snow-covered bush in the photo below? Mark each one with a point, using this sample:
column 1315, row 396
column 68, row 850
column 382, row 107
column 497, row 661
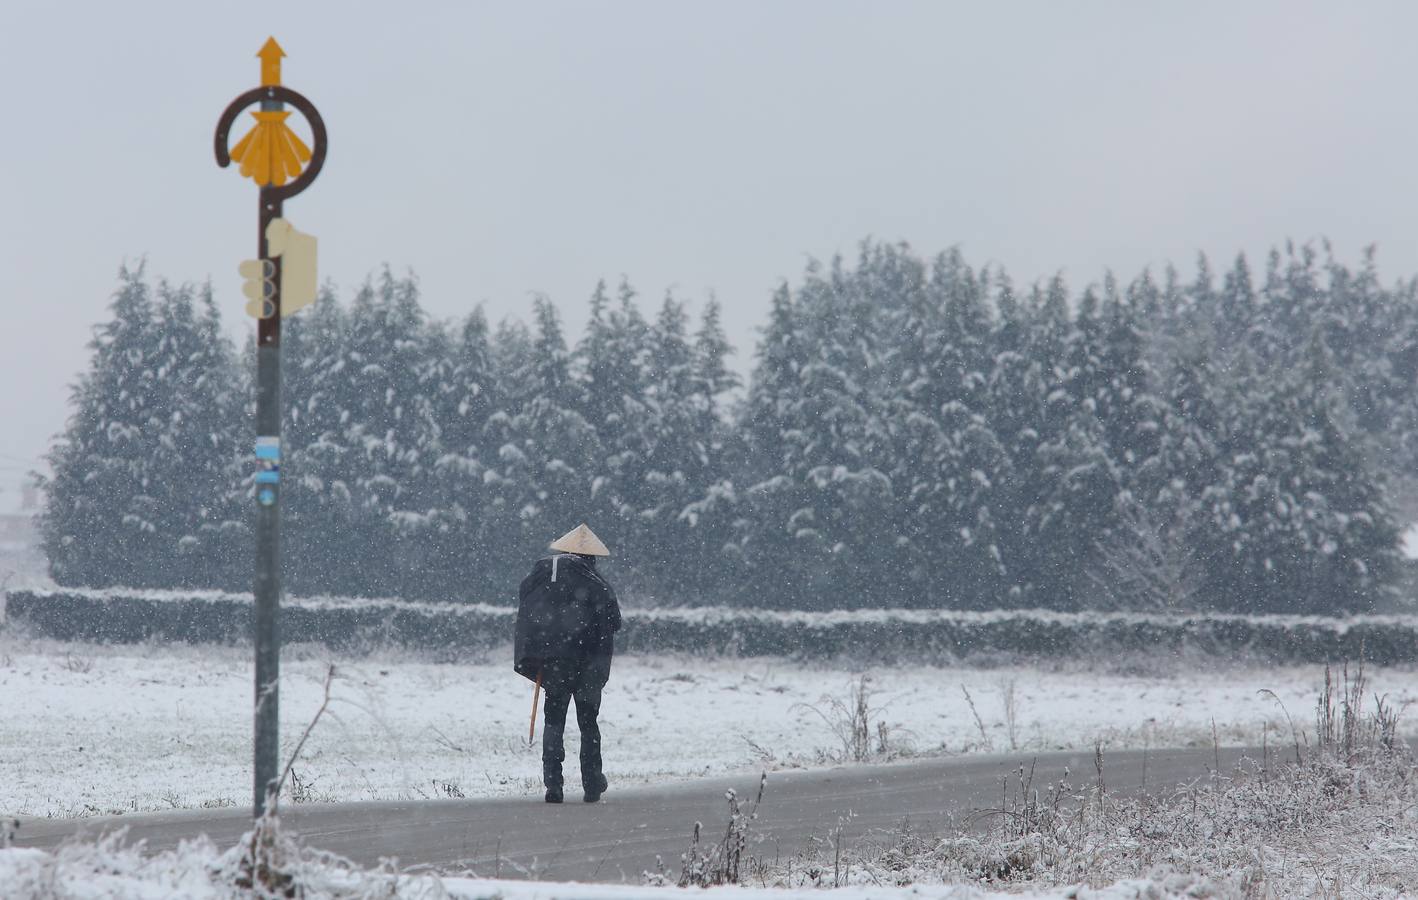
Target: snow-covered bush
column 196, row 870
column 124, row 616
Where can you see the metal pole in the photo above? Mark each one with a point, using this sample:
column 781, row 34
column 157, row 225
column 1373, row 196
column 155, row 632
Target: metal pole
column 267, row 588
column 275, row 190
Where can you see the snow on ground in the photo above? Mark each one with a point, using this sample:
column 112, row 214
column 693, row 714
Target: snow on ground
column 197, row 871
column 92, row 730
column 469, row 889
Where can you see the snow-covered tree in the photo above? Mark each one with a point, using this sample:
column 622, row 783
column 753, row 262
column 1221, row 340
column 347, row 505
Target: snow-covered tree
column 1305, row 514
column 914, row 433
column 138, row 494
column 548, row 450
column 456, row 532
column 613, row 362
column 319, row 468
column 201, row 518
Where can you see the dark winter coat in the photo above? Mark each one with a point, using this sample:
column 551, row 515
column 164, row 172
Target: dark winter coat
column 566, row 615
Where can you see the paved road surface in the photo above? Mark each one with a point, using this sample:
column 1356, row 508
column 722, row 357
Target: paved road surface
column 626, row 833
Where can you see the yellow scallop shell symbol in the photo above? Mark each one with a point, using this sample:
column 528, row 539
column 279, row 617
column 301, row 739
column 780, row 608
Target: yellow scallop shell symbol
column 271, row 153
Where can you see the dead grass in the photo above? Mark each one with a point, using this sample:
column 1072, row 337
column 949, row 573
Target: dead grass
column 1342, row 820
column 858, row 725
column 708, row 862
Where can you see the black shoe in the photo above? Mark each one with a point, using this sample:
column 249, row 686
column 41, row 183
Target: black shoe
column 553, row 795
column 593, row 796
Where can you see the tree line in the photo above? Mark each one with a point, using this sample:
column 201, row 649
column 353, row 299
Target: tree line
column 915, row 432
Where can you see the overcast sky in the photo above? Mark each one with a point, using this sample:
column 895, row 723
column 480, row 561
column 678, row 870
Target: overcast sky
column 499, row 150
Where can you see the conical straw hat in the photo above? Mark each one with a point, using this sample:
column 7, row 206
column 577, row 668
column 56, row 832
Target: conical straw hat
column 582, row 540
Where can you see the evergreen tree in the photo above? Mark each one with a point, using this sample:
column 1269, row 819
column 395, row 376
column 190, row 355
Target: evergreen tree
column 1237, row 310
column 550, row 451
column 319, row 469
column 1076, row 482
column 197, row 515
column 968, row 467
column 1201, row 298
column 1309, row 523
column 839, row 451
column 458, row 533
column 721, row 455
column 676, row 465
column 712, row 377
column 1015, row 398
column 507, row 482
column 1161, row 551
column 1163, row 446
column 771, row 496
column 615, row 382
column 1128, row 406
column 390, row 393
column 137, row 492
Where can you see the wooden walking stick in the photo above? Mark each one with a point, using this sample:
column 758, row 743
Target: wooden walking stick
column 536, row 695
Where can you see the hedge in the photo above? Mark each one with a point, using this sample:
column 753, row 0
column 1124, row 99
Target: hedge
column 126, row 616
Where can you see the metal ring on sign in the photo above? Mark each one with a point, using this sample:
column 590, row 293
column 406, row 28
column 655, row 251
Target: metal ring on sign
column 305, row 107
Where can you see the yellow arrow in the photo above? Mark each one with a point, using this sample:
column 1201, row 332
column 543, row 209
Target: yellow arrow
column 270, row 54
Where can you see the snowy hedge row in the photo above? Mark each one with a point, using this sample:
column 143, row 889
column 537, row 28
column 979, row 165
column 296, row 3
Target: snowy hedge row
column 879, row 635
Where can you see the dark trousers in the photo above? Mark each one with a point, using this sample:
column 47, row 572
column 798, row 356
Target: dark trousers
column 588, row 706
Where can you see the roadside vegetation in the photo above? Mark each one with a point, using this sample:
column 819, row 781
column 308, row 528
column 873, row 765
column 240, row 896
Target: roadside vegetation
column 1330, row 815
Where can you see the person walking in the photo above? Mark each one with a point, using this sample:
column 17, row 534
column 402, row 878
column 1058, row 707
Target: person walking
column 566, row 615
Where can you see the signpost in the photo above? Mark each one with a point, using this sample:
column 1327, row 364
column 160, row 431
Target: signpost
column 282, row 166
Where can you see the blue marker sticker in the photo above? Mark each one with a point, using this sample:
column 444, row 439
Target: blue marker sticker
column 266, row 497
column 268, row 458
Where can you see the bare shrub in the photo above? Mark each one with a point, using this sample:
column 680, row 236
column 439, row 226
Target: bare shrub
column 1011, row 711
column 267, row 866
column 722, row 862
column 854, row 720
column 985, row 742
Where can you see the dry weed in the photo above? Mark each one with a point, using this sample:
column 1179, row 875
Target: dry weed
column 1338, row 822
column 722, row 862
column 857, row 723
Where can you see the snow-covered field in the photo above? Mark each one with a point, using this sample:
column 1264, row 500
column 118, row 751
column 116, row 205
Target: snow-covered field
column 92, row 730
